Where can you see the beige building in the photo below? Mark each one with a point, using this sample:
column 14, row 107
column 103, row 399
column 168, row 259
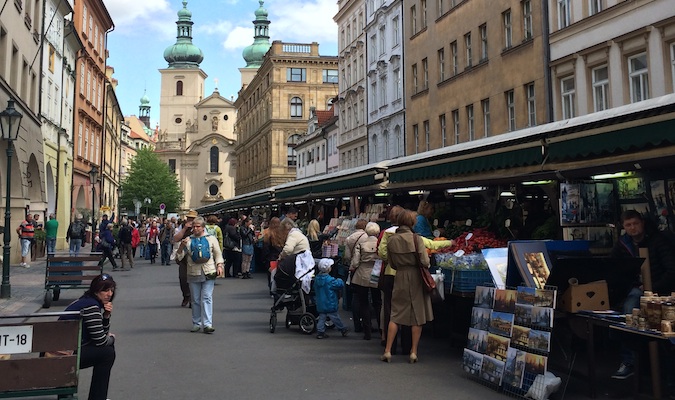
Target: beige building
column 605, row 54
column 273, row 110
column 472, row 70
column 196, row 136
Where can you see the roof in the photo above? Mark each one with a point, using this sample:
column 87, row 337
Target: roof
column 323, row 116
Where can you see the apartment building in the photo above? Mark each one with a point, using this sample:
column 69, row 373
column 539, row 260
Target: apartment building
column 92, row 23
column 473, row 69
column 609, row 53
column 352, row 145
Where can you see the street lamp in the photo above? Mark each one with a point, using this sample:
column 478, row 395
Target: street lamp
column 93, row 177
column 147, row 202
column 10, row 121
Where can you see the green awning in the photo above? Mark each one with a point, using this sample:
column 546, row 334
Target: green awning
column 346, row 183
column 615, row 142
column 507, row 159
column 293, row 192
column 262, row 198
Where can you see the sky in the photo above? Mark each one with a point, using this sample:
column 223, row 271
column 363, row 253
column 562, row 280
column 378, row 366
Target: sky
column 222, row 29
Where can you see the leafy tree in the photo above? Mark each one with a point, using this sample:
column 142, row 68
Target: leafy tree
column 149, row 177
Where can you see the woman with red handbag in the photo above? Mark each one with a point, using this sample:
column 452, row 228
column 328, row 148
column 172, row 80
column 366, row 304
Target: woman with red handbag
column 410, row 304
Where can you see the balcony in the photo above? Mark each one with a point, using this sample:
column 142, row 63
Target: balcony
column 19, row 5
column 28, row 21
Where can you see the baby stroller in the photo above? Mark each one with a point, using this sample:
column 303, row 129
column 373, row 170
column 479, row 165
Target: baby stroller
column 300, row 306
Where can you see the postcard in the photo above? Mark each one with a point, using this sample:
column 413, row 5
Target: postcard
column 472, row 362
column 526, row 295
column 492, row 370
column 520, row 336
column 539, row 340
column 523, row 314
column 505, row 300
column 480, row 318
column 501, row 323
column 484, row 297
column 497, row 346
column 542, row 317
column 514, row 368
column 477, row 340
column 535, row 364
column 497, row 260
column 544, row 298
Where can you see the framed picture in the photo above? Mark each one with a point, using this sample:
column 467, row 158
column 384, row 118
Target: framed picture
column 523, row 314
column 514, row 368
column 505, row 300
column 539, row 340
column 472, row 362
column 569, row 203
column 497, row 346
column 492, row 370
column 542, row 317
column 642, row 208
column 631, row 188
column 477, row 340
column 484, row 297
column 480, row 318
column 533, row 262
column 535, row 364
column 497, row 260
column 501, row 323
column 520, row 335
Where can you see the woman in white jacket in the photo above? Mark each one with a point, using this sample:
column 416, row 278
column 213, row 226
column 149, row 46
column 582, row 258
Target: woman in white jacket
column 296, row 241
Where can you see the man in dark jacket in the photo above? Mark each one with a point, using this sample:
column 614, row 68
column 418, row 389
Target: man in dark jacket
column 126, row 252
column 661, row 266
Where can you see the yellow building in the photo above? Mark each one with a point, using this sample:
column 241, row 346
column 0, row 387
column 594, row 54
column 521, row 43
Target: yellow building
column 473, row 70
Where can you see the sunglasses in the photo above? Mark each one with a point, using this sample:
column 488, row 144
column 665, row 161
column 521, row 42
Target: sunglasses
column 105, row 277
column 196, row 226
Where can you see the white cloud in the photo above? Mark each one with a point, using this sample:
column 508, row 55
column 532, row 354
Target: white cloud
column 133, row 17
column 238, row 38
column 215, row 28
column 303, row 21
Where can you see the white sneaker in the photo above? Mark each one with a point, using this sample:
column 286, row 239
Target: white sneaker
column 23, row 264
column 26, row 266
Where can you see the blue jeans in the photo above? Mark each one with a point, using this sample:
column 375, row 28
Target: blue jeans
column 632, row 301
column 334, row 316
column 51, row 245
column 75, row 245
column 167, row 247
column 202, row 302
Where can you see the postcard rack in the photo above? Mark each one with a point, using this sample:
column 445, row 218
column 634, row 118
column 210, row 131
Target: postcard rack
column 509, row 339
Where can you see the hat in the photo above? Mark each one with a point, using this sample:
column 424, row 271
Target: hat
column 191, row 214
column 325, row 264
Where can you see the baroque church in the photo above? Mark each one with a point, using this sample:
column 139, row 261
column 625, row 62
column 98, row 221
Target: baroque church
column 196, row 132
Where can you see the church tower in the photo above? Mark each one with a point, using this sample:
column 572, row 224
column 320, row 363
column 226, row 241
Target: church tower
column 144, row 110
column 182, row 83
column 254, row 53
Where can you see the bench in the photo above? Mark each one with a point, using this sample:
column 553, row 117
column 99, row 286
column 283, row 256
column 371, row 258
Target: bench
column 39, row 355
column 69, row 272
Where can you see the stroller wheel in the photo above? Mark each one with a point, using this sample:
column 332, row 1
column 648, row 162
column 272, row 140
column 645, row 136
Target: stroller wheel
column 307, row 323
column 273, row 322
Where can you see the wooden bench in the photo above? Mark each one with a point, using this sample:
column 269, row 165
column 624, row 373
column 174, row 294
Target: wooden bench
column 69, row 272
column 25, row 365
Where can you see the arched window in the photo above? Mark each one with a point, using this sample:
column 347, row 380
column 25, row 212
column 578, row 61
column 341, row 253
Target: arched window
column 179, row 88
column 375, row 144
column 398, row 141
column 385, row 137
column 214, row 156
column 296, row 107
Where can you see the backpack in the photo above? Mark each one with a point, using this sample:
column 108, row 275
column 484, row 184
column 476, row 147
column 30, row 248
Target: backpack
column 76, row 230
column 200, row 249
column 211, row 229
column 124, row 234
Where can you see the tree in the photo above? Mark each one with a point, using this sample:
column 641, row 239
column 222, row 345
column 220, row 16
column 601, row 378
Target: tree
column 149, row 177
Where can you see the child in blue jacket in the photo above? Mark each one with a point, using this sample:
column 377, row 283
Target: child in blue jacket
column 326, row 291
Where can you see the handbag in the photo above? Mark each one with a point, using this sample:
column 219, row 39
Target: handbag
column 428, row 281
column 228, row 243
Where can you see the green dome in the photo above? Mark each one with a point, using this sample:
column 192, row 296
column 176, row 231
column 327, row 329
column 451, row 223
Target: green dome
column 254, row 54
column 145, row 100
column 184, row 54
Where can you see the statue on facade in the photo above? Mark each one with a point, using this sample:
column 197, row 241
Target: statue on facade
column 214, row 123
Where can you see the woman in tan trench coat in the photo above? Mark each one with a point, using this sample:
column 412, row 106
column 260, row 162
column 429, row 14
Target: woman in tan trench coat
column 410, row 304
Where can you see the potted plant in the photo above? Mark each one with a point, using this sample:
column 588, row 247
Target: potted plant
column 39, row 245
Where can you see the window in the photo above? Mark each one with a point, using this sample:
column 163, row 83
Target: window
column 567, row 94
column 455, row 125
column 383, row 40
column 470, row 122
column 594, row 6
column 453, row 51
column 638, row 77
column 483, row 42
column 527, row 19
column 416, row 135
column 508, row 29
column 485, row 105
column 467, row 44
column 373, row 47
column 427, row 136
column 441, row 7
column 79, row 140
column 373, row 95
column 292, row 156
column 179, row 88
column 423, row 6
column 82, row 73
column 296, row 107
column 398, row 142
column 172, row 165
column 531, row 105
column 413, row 20
column 397, row 82
column 441, row 122
column 349, row 34
column 425, row 72
column 385, row 137
column 213, row 159
column 511, row 109
column 330, row 76
column 296, row 74
column 441, row 65
column 91, row 27
column 84, row 20
column 52, row 54
column 414, row 77
column 563, row 13
column 394, row 31
column 600, row 76
column 383, row 90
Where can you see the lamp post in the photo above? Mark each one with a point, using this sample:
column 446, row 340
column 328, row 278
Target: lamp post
column 10, row 121
column 147, row 202
column 93, row 177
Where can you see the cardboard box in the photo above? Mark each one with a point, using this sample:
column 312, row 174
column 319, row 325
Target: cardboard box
column 588, row 296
